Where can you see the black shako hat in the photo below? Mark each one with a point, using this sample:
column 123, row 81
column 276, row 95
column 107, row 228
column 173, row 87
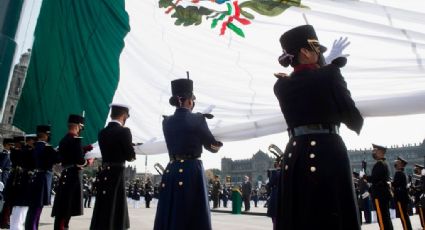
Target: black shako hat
column 76, row 119
column 17, row 139
column 379, row 147
column 8, row 140
column 181, row 88
column 43, row 129
column 300, row 37
column 399, row 158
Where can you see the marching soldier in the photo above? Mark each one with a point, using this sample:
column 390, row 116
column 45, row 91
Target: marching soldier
column 69, row 193
column 380, row 188
column 316, row 187
column 115, row 141
column 183, row 185
column 364, row 197
column 401, row 196
column 44, row 157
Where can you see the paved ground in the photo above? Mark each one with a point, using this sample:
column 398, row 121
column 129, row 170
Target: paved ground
column 142, row 218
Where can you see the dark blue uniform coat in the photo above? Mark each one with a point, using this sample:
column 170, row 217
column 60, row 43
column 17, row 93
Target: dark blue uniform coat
column 110, row 209
column 44, row 157
column 316, row 189
column 183, row 201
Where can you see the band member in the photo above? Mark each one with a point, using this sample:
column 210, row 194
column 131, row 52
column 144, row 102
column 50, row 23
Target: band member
column 44, row 157
column 69, row 193
column 316, row 189
column 115, row 141
column 401, row 196
column 148, row 192
column 272, row 187
column 380, row 188
column 183, row 201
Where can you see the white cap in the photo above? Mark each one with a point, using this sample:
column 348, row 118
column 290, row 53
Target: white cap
column 119, row 105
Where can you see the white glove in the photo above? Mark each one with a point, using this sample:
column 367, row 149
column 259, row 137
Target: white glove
column 365, row 195
column 337, row 49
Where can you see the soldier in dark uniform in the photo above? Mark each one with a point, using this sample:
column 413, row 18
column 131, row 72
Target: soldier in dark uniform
column 69, row 193
column 316, row 189
column 17, row 185
column 225, row 195
column 115, row 141
column 419, row 192
column 272, row 188
column 401, row 196
column 380, row 188
column 148, row 193
column 216, row 187
column 183, row 201
column 44, row 157
column 5, row 167
column 364, row 199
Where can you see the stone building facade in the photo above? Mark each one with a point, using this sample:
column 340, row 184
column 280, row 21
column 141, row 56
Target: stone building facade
column 256, row 168
column 15, row 89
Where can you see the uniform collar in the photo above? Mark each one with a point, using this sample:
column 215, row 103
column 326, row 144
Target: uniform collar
column 116, row 121
column 302, row 67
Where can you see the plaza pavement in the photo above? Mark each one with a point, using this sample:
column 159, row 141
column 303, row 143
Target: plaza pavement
column 142, row 219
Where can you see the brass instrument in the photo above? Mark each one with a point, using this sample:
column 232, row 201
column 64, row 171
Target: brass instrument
column 158, row 167
column 277, row 152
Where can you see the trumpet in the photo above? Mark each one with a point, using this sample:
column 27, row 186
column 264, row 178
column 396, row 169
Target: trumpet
column 158, row 167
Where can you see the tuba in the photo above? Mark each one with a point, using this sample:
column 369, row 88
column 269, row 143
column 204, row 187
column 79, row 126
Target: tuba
column 158, row 167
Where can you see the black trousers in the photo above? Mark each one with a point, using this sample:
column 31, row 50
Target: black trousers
column 403, row 215
column 382, row 208
column 247, row 202
column 87, row 202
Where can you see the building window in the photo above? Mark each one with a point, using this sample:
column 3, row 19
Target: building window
column 11, row 109
column 9, row 120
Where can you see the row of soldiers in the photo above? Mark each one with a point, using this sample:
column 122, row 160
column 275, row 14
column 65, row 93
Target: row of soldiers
column 137, row 189
column 27, row 171
column 381, row 193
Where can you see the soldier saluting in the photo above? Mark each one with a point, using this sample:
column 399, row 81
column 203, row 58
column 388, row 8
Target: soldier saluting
column 380, row 188
column 115, row 141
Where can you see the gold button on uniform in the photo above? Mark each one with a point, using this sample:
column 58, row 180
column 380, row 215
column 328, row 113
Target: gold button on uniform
column 180, row 170
column 163, row 185
column 181, row 183
column 313, row 143
column 313, row 169
column 181, row 161
column 104, row 192
column 290, row 155
column 167, row 171
column 294, row 143
column 312, row 155
column 286, row 167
